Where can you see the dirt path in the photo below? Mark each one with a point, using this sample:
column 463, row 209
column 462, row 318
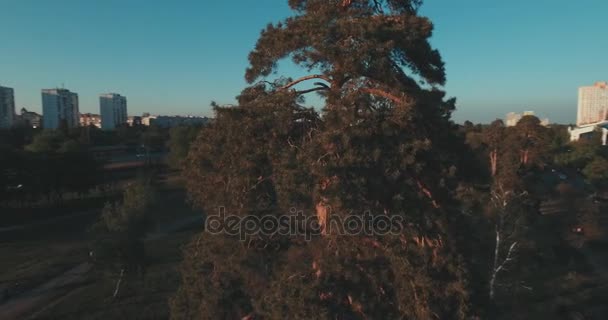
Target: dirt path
column 30, row 302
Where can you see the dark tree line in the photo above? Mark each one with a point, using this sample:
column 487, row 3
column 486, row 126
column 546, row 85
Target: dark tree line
column 46, row 164
column 50, row 166
column 531, row 199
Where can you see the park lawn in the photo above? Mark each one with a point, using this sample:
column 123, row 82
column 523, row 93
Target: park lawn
column 145, row 298
column 25, row 265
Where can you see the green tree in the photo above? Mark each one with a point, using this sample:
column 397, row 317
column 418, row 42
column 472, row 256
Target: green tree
column 382, row 144
column 47, row 141
column 154, row 138
column 508, row 213
column 531, row 138
column 179, row 142
column 580, row 153
column 494, row 138
column 597, row 171
column 118, row 236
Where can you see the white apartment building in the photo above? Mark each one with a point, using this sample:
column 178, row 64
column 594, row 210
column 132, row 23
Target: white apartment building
column 7, row 107
column 512, row 119
column 58, row 106
column 113, row 110
column 592, row 104
column 577, row 133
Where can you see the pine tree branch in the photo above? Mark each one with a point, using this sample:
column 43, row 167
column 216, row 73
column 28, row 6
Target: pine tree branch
column 311, row 90
column 427, row 193
column 384, row 94
column 313, row 76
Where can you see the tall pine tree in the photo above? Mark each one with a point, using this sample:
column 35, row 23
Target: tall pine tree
column 382, row 145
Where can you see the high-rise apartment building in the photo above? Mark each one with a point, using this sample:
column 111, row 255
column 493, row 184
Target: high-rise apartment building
column 59, row 106
column 7, row 107
column 592, row 104
column 113, row 110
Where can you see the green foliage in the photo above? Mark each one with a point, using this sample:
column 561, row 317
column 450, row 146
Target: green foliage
column 46, row 142
column 129, row 216
column 154, row 138
column 50, row 166
column 558, row 137
column 117, row 238
column 578, row 154
column 217, row 269
column 597, row 171
column 70, row 146
column 531, row 138
column 179, row 142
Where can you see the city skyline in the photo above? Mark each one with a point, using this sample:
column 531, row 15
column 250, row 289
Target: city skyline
column 515, row 62
column 510, row 118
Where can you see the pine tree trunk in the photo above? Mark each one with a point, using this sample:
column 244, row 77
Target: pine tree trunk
column 494, row 161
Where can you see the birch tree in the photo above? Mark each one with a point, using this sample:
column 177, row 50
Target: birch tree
column 508, row 213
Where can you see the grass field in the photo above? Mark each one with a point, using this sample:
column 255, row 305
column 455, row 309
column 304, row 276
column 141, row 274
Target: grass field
column 27, row 264
column 41, row 252
column 145, row 298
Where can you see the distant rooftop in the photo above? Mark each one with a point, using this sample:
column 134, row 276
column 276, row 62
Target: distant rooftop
column 57, row 90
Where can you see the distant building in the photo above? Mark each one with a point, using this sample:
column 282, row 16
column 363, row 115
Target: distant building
column 147, row 119
column 7, row 107
column 174, row 121
column 513, row 118
column 134, row 121
column 29, row 119
column 545, row 122
column 113, row 110
column 578, row 133
column 592, row 112
column 90, row 119
column 59, row 106
column 592, row 104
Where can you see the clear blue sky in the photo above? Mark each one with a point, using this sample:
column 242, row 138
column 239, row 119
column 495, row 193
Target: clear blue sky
column 174, row 57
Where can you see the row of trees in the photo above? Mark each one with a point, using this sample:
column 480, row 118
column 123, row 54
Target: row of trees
column 47, row 164
column 47, row 168
column 529, row 144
